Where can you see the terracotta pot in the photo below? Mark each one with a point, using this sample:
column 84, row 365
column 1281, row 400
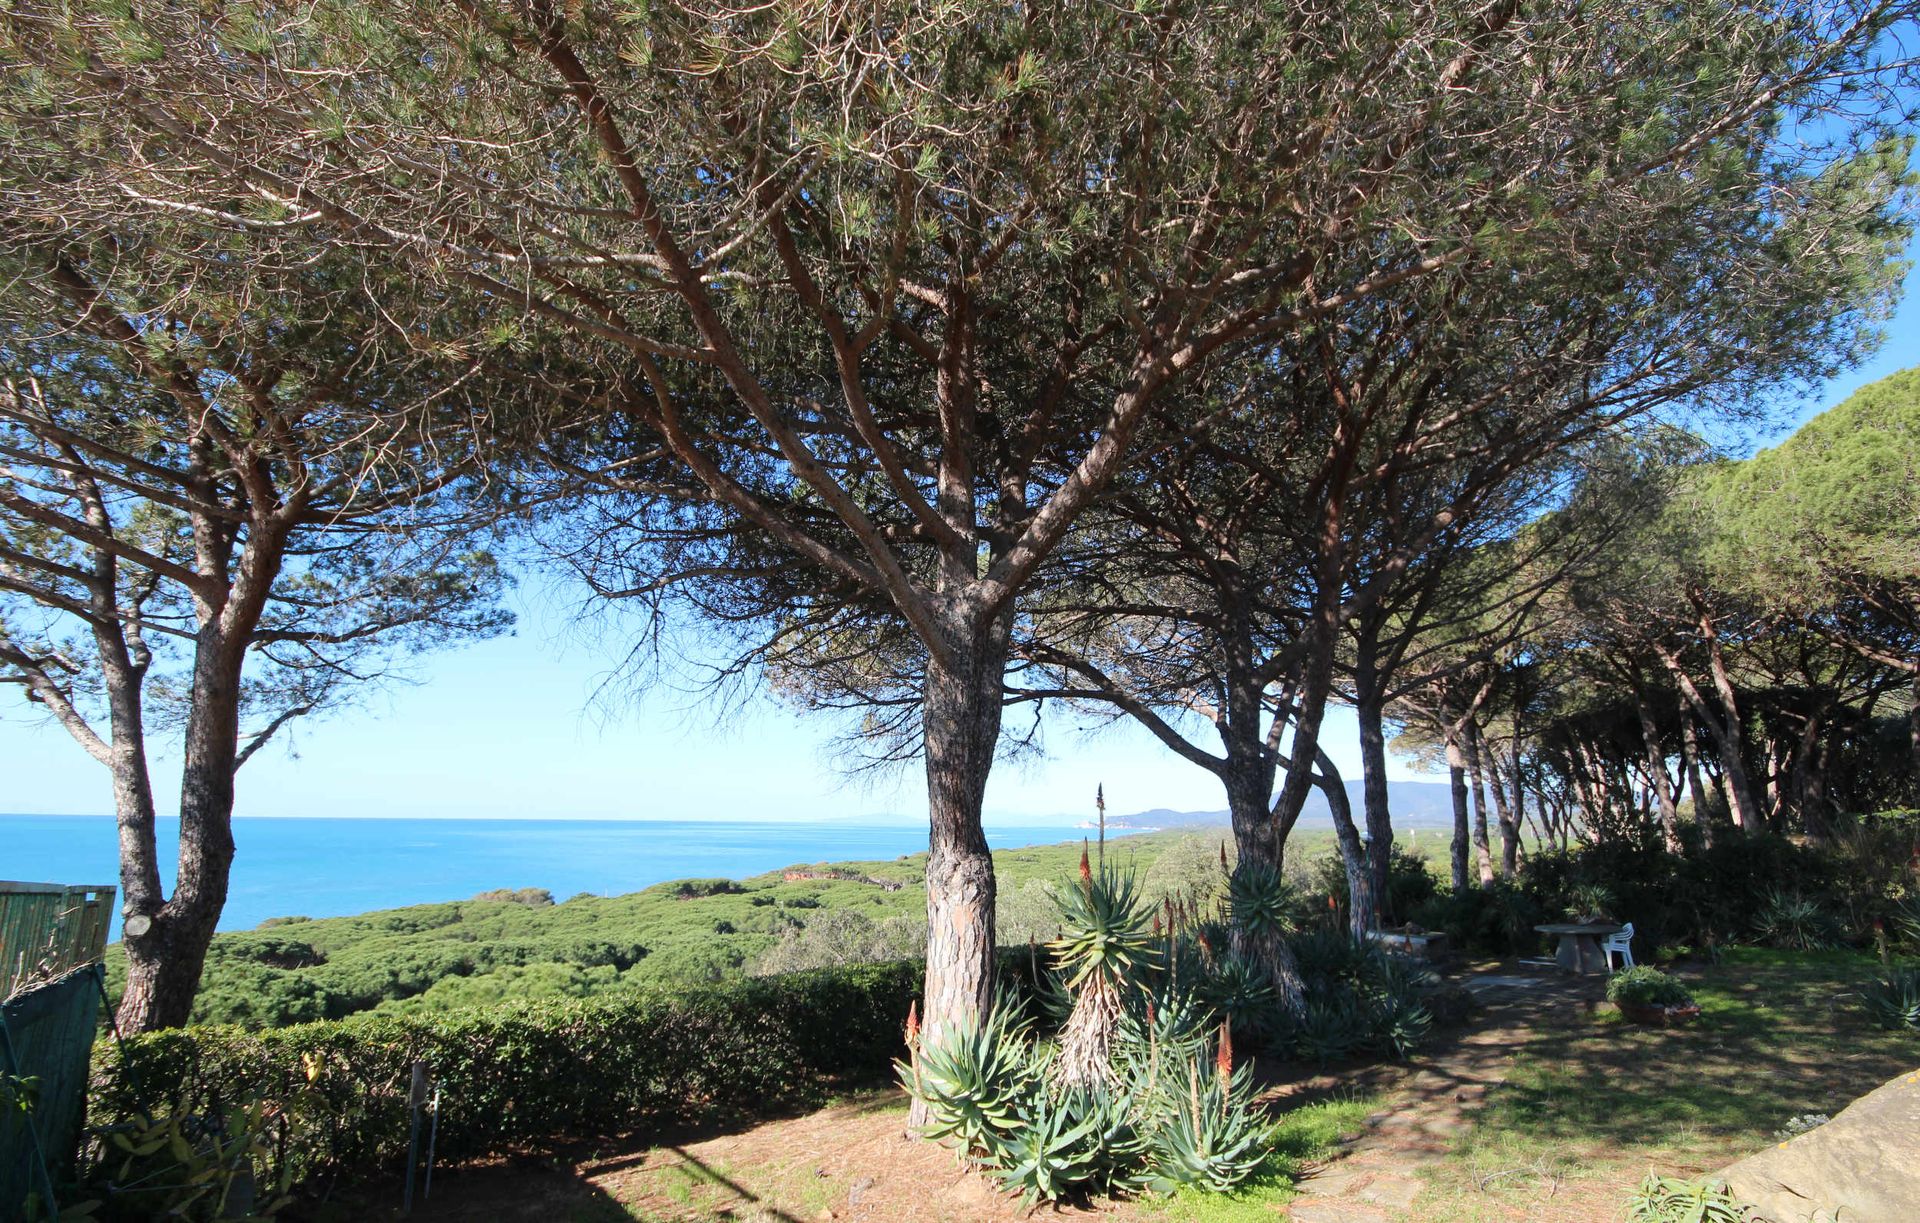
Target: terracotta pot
column 1659, row 1016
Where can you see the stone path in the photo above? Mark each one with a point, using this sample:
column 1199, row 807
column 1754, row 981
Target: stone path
column 1377, row 1178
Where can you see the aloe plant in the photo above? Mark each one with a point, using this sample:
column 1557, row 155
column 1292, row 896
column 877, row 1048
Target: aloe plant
column 1210, row 1138
column 1893, row 1002
column 978, row 1080
column 1260, row 905
column 1106, row 942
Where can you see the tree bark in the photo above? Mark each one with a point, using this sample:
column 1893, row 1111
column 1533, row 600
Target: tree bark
column 1457, row 779
column 164, row 964
column 1483, row 847
column 1657, row 773
column 1511, row 821
column 1373, row 771
column 961, row 718
column 1690, row 757
column 1363, row 903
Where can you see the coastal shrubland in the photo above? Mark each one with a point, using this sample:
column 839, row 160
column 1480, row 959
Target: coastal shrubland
column 518, row 944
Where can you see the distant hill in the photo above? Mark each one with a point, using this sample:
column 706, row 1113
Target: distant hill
column 1415, row 804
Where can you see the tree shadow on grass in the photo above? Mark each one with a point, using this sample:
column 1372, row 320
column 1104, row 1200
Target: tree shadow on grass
column 1776, row 1038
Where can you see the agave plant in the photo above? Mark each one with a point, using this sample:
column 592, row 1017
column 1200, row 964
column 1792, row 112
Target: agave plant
column 978, row 1080
column 1894, row 1002
column 1669, row 1199
column 1260, row 905
column 1906, row 918
column 1795, row 922
column 1400, row 1023
column 1331, row 1027
column 1210, row 1137
column 1052, row 1151
column 1106, row 941
column 1240, row 991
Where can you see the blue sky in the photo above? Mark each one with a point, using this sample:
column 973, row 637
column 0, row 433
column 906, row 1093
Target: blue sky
column 509, row 728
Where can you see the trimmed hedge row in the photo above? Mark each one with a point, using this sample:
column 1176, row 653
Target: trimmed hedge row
column 527, row 1075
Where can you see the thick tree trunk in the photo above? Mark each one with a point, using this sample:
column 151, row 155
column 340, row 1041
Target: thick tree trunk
column 164, row 962
column 1249, row 788
column 960, row 714
column 961, row 717
column 1363, row 903
column 1658, row 775
column 1373, row 775
column 1476, row 779
column 1457, row 779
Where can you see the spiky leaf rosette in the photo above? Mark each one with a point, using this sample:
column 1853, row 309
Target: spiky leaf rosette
column 1260, row 901
column 1239, row 990
column 1106, row 944
column 1106, row 929
column 978, row 1079
column 1212, row 1138
column 1260, row 905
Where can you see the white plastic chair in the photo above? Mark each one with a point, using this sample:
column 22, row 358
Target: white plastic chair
column 1621, row 944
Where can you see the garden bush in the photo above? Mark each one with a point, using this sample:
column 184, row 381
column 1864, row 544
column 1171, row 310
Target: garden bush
column 1644, row 986
column 524, row 1075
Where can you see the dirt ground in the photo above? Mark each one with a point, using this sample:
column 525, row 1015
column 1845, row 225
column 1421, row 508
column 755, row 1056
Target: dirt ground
column 1541, row 1107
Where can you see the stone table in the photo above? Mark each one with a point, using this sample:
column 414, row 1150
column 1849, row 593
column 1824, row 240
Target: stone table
column 1579, row 950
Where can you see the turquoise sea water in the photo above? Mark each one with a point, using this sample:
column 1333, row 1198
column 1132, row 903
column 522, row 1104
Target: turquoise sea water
column 333, row 867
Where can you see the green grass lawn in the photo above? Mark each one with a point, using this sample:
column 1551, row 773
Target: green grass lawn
column 1591, row 1103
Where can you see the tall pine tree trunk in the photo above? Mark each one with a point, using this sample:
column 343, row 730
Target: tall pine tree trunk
column 1457, row 780
column 961, row 718
column 1364, row 904
column 1657, row 773
column 166, row 957
column 1483, row 847
column 1373, row 771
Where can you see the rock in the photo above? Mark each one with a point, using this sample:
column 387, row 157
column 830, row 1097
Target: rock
column 1860, row 1166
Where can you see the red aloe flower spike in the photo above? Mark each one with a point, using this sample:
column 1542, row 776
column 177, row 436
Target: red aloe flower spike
column 913, row 1022
column 1223, row 1059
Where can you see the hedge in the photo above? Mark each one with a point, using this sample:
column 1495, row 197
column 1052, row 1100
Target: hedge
column 528, row 1075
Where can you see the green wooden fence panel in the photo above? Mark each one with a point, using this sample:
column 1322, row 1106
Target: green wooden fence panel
column 52, row 937
column 48, row 929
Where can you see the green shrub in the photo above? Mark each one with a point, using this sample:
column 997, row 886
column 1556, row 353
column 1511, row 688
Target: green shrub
column 187, row 1166
column 1497, row 920
column 1893, row 1002
column 1795, row 922
column 526, row 1074
column 1645, row 986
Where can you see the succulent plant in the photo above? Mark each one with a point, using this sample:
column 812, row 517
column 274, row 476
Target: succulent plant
column 1893, row 1002
column 1210, row 1139
column 977, row 1079
column 1106, row 942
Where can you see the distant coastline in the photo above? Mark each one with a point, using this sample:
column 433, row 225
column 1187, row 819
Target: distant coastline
column 337, row 866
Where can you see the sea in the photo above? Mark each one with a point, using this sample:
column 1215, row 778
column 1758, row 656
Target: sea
column 286, row 867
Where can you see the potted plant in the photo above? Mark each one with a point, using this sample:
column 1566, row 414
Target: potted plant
column 1649, row 996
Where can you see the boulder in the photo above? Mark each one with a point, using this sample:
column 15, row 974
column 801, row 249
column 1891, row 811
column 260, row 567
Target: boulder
column 1861, row 1167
